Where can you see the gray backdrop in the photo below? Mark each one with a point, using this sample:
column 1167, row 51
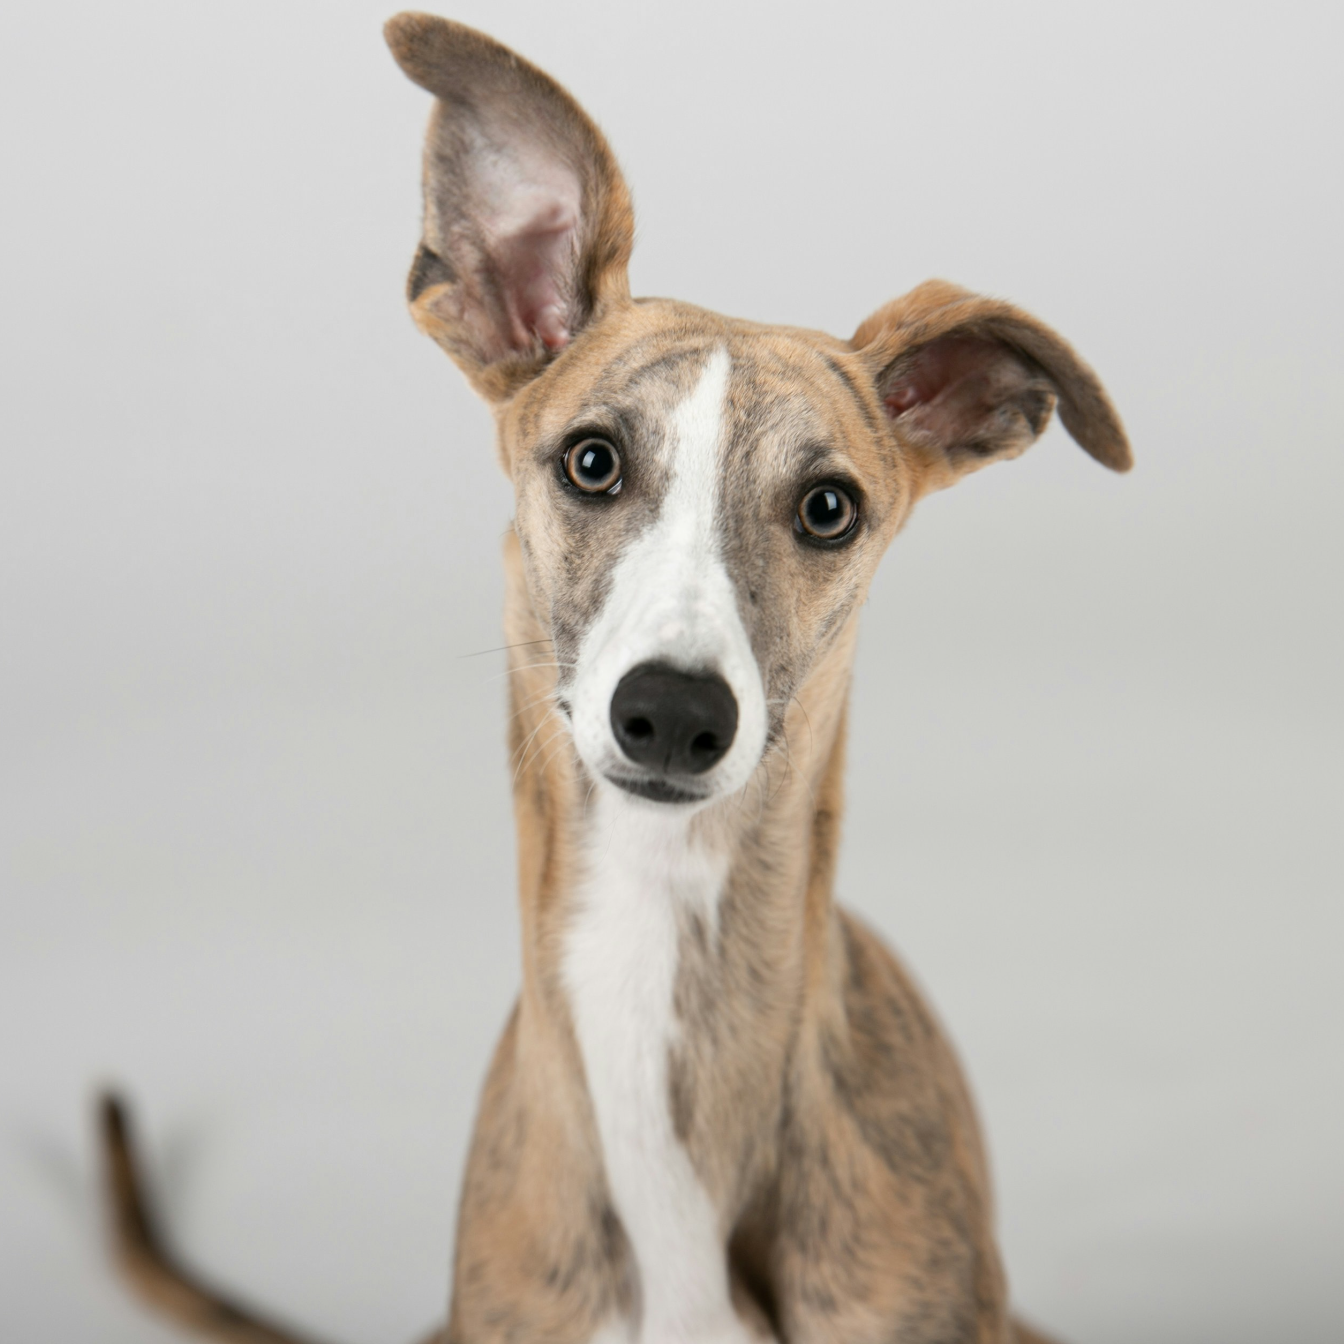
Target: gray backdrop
column 257, row 857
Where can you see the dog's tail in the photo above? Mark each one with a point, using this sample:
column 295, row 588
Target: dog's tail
column 147, row 1264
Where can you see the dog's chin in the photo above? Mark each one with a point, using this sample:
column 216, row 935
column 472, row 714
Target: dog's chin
column 660, row 791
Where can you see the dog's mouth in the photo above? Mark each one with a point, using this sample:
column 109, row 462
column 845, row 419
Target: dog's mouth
column 658, row 790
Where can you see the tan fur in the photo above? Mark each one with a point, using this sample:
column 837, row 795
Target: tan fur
column 820, row 1104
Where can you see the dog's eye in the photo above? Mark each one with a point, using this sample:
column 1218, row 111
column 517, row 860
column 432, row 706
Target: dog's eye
column 826, row 512
column 594, row 466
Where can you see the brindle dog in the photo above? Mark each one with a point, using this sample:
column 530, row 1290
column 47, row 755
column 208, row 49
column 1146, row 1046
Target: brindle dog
column 720, row 1111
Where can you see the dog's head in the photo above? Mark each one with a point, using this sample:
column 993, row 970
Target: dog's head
column 701, row 502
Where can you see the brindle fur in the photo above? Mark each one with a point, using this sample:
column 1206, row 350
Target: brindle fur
column 821, row 1106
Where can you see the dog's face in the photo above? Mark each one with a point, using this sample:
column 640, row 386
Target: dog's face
column 701, row 502
column 700, row 505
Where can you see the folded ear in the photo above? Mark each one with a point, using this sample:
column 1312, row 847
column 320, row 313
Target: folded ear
column 968, row 380
column 527, row 226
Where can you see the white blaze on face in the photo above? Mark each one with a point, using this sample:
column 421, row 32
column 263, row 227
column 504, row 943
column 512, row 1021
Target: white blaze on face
column 671, row 600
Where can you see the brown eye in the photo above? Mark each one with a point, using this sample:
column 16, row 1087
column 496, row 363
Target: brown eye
column 594, row 466
column 826, row 512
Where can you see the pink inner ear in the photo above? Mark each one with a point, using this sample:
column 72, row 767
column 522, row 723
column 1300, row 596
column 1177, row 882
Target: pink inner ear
column 531, row 222
column 532, row 264
column 948, row 362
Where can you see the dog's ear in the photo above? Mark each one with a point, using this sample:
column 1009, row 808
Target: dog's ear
column 527, row 227
column 968, row 380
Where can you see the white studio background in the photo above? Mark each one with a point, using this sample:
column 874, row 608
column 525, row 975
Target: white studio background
column 256, row 852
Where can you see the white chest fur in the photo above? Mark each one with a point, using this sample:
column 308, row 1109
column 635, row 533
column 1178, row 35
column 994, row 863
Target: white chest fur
column 620, row 968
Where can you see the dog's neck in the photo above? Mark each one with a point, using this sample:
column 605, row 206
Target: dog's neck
column 672, row 961
column 744, row 885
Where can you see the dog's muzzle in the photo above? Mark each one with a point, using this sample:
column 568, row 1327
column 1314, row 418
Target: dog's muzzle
column 674, row 725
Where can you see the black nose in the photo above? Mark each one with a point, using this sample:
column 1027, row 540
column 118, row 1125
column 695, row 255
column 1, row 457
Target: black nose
column 677, row 723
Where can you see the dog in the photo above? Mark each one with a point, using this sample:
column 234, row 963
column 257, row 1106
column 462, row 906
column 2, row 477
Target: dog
column 720, row 1111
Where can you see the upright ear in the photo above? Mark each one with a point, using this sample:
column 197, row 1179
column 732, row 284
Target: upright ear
column 527, row 226
column 968, row 380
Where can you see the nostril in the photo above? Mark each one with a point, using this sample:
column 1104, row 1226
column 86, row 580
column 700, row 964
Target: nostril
column 705, row 742
column 639, row 729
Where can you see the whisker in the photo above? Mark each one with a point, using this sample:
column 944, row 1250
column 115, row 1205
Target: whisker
column 522, row 644
column 538, row 750
column 807, row 783
column 526, row 667
column 531, row 704
column 543, row 662
column 811, row 741
column 765, row 764
column 563, row 735
column 522, row 750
